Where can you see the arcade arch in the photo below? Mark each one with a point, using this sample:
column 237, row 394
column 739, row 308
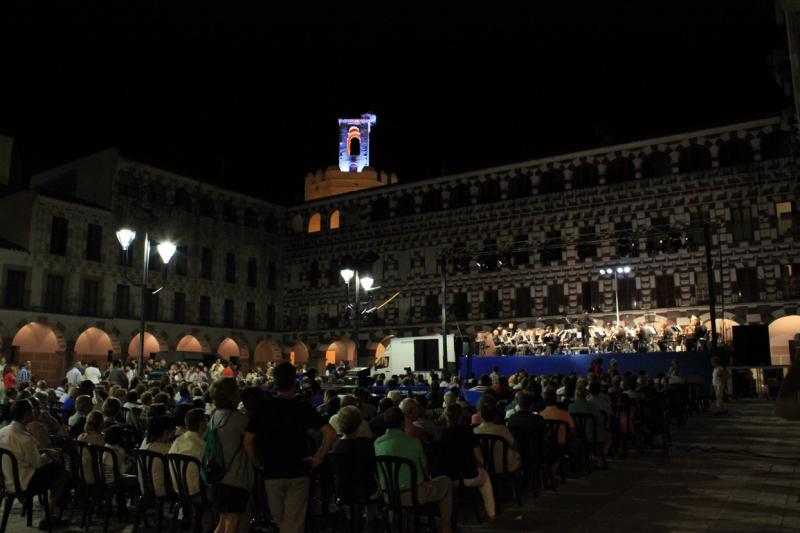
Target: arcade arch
column 94, row 343
column 229, row 347
column 266, row 351
column 151, row 345
column 190, row 343
column 39, row 344
column 781, row 331
column 297, row 353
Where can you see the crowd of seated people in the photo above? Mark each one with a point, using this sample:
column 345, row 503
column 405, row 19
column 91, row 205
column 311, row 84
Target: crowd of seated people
column 276, row 426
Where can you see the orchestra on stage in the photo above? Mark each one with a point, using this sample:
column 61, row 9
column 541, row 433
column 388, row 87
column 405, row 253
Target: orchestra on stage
column 587, row 335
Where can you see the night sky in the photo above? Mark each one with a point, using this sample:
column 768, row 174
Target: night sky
column 249, row 99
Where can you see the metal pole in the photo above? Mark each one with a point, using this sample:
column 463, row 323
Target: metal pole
column 616, row 294
column 712, row 290
column 443, row 265
column 146, row 265
column 357, row 308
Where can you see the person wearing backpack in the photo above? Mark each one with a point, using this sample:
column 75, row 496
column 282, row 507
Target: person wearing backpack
column 277, row 442
column 226, row 468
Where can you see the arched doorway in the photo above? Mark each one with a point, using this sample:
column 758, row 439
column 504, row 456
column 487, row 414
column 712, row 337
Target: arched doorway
column 724, row 331
column 338, row 351
column 151, row 346
column 781, row 331
column 229, row 348
column 189, row 343
column 93, row 344
column 266, row 351
column 297, row 353
column 378, row 349
column 38, row 343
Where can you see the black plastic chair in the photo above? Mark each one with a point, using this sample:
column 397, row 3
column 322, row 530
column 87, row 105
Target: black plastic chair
column 146, row 462
column 349, row 493
column 389, row 468
column 531, row 447
column 586, row 432
column 98, row 490
column 9, row 462
column 554, row 428
column 192, row 504
column 488, row 444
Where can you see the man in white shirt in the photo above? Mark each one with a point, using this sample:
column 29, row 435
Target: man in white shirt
column 37, row 471
column 92, row 373
column 74, row 376
column 190, row 442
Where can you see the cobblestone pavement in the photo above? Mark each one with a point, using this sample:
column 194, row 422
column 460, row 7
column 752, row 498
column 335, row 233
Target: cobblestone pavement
column 693, row 490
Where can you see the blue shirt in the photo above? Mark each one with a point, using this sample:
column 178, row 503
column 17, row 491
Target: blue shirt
column 23, row 376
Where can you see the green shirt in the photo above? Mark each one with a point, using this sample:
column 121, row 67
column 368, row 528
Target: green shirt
column 589, row 408
column 395, row 442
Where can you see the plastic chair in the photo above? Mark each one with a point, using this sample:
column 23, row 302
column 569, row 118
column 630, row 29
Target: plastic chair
column 348, row 491
column 389, row 468
column 98, row 489
column 192, row 504
column 554, row 429
column 586, row 430
column 9, row 462
column 531, row 446
column 146, row 462
column 488, row 444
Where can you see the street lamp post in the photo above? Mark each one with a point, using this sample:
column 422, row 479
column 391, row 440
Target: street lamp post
column 166, row 250
column 616, row 271
column 365, row 282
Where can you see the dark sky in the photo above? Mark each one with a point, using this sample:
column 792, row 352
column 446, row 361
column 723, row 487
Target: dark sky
column 249, row 99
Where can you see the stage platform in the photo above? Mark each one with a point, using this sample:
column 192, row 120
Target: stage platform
column 537, row 365
column 651, row 362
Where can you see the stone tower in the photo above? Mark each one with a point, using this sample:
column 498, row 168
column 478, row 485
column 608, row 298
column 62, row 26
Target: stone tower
column 354, row 142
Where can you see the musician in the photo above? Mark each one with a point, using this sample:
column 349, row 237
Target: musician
column 666, row 339
column 642, row 339
column 583, row 324
column 506, row 342
column 700, row 335
column 620, row 336
column 552, row 339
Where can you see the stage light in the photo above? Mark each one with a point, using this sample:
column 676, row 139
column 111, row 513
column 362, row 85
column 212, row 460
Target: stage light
column 620, row 270
column 602, row 271
column 626, row 269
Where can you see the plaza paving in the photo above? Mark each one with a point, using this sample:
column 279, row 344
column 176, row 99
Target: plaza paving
column 690, row 491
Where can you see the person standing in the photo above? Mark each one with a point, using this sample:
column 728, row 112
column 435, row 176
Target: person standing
column 92, row 373
column 233, row 492
column 720, row 379
column 23, row 375
column 216, row 370
column 276, row 441
column 117, row 375
column 75, row 376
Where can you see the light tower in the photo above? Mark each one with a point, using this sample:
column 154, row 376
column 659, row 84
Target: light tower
column 354, row 142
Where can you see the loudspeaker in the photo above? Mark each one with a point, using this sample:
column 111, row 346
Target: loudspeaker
column 751, row 346
column 426, row 354
column 464, row 346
